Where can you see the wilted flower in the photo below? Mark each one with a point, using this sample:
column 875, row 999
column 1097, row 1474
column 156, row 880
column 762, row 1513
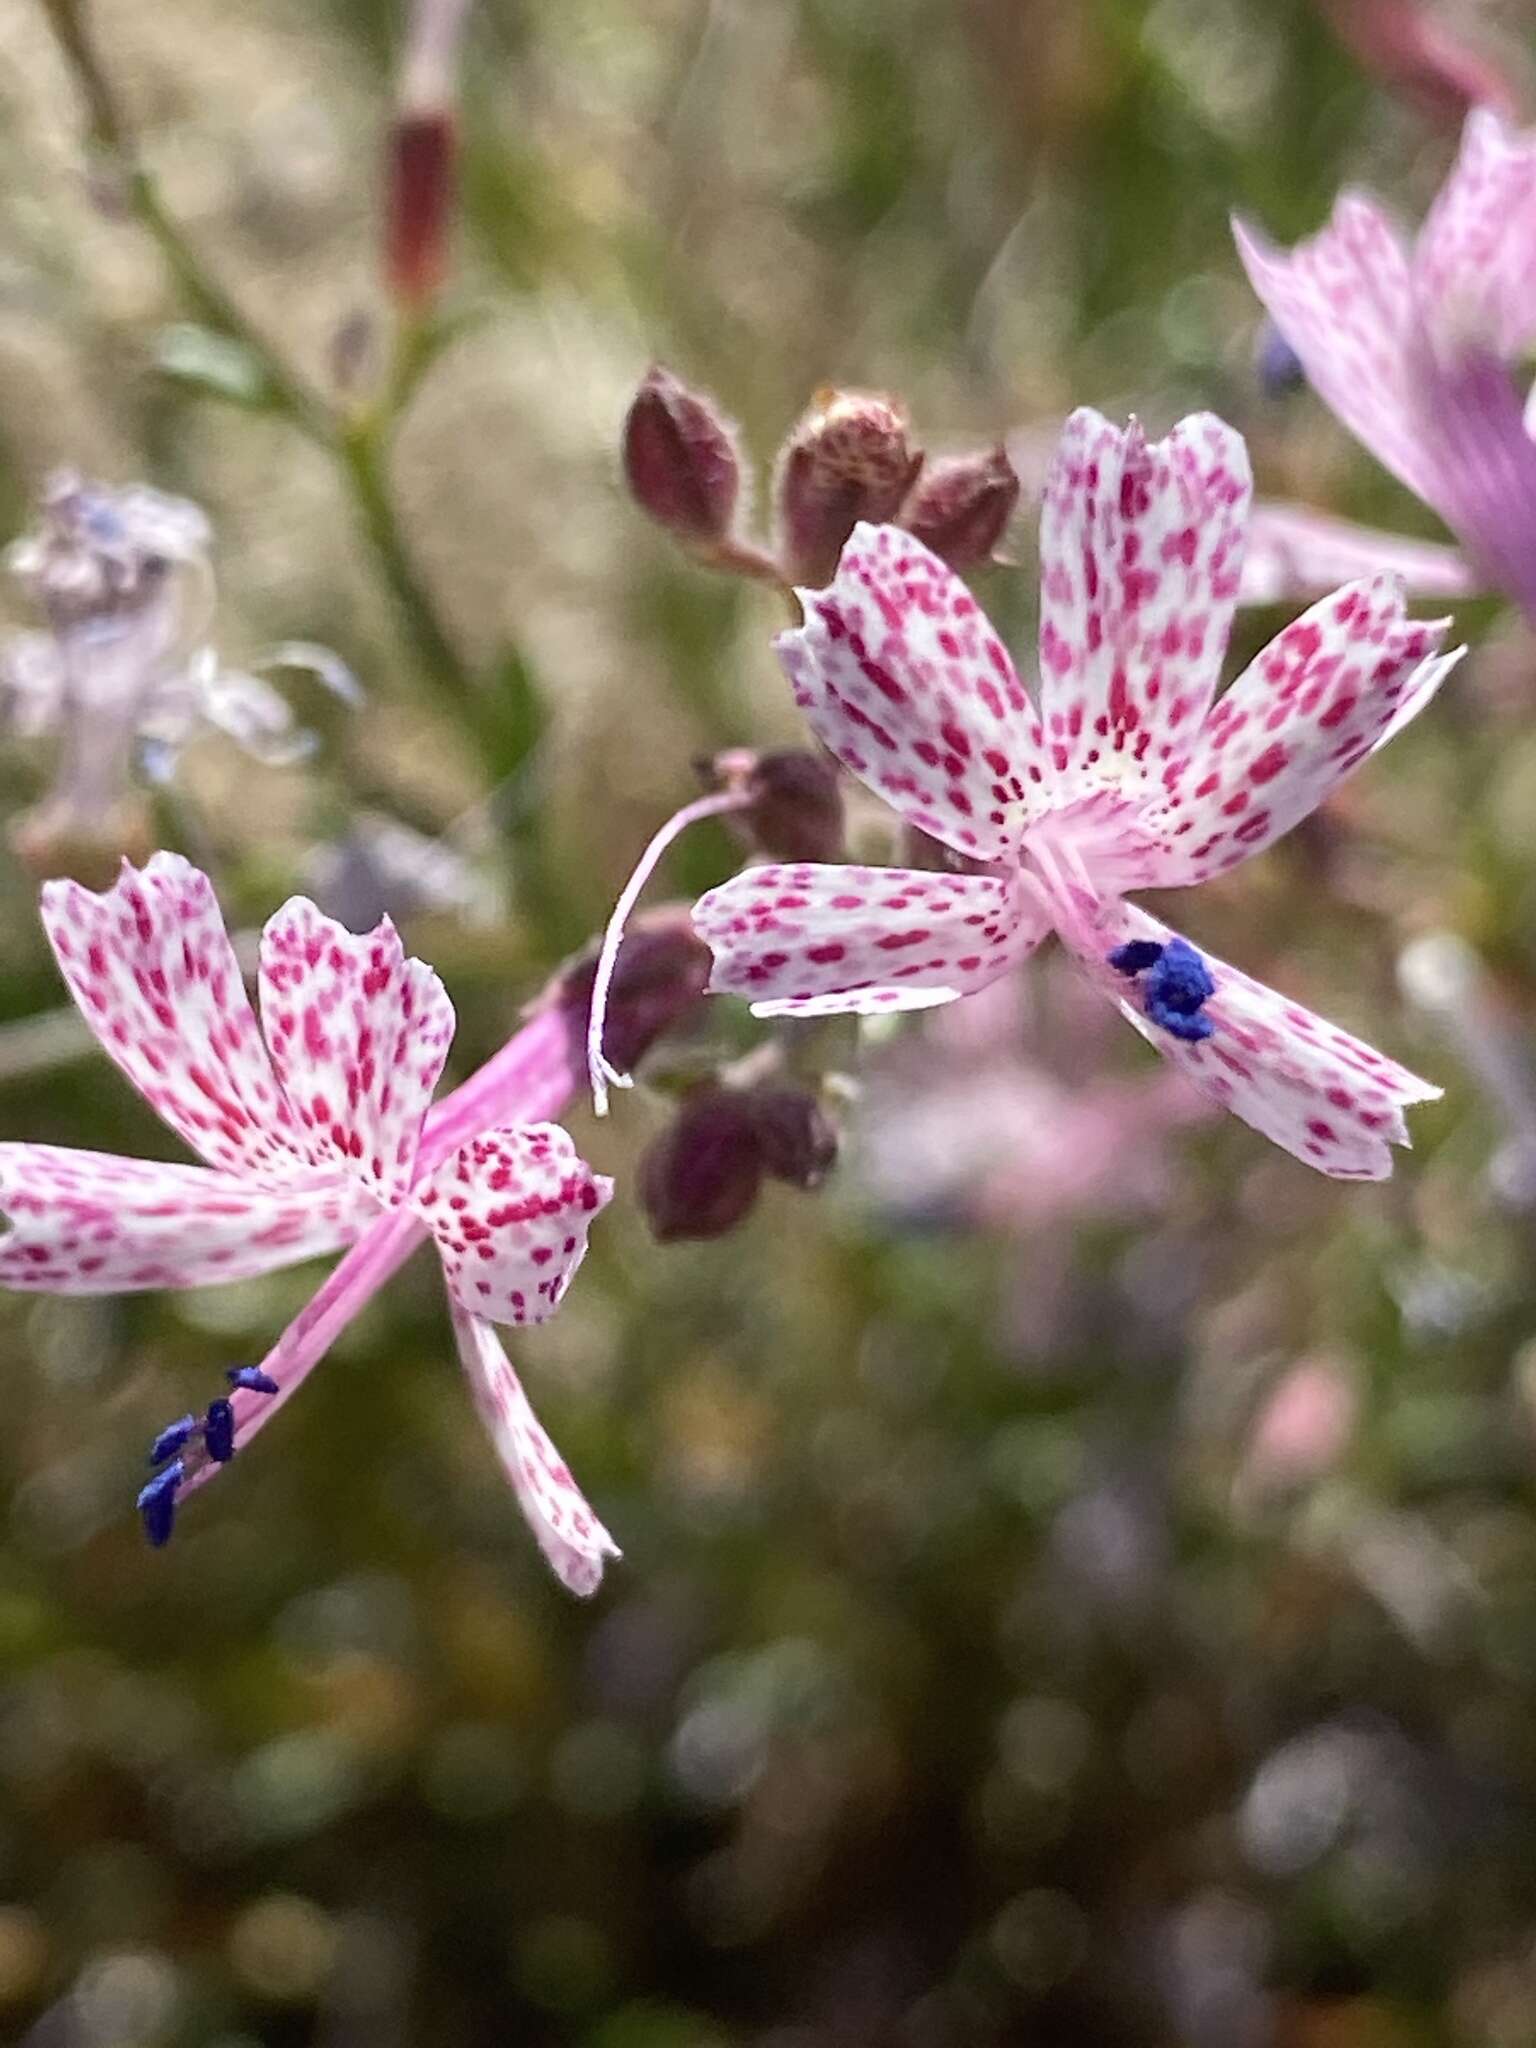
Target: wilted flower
column 122, row 673
column 314, row 1135
column 1415, row 347
column 1127, row 777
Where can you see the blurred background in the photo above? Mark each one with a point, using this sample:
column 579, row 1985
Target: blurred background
column 1080, row 1567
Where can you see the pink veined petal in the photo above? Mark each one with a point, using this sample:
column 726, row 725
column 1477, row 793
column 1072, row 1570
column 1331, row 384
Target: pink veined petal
column 1304, row 715
column 359, row 1034
column 1297, row 553
column 820, row 941
column 1474, row 265
column 151, row 967
column 1344, row 302
column 1327, row 1098
column 569, row 1534
column 1141, row 550
column 899, row 672
column 511, row 1211
column 93, row 1223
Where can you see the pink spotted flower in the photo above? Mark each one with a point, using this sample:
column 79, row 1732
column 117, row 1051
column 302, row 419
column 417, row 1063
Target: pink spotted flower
column 315, row 1133
column 1129, row 774
column 1414, row 344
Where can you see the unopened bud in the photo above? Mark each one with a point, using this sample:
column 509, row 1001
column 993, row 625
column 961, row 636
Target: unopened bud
column 701, row 1176
column 962, row 506
column 659, row 978
column 423, row 147
column 795, row 801
column 680, row 460
column 847, row 460
column 797, row 1141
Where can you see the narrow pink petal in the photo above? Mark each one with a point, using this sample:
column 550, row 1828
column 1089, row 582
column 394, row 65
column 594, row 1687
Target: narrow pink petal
column 569, row 1534
column 1474, row 265
column 1307, row 712
column 1344, row 302
column 899, row 672
column 1141, row 550
column 153, row 971
column 92, row 1223
column 1295, row 553
column 359, row 1034
column 1330, row 1100
column 817, row 941
column 511, row 1211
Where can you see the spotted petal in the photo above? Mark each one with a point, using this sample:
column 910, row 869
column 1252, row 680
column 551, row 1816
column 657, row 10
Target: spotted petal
column 510, row 1211
column 819, row 941
column 156, row 978
column 1345, row 303
column 1474, row 266
column 1141, row 550
column 1328, row 1099
column 359, row 1034
column 899, row 672
column 92, row 1223
column 1316, row 702
column 569, row 1534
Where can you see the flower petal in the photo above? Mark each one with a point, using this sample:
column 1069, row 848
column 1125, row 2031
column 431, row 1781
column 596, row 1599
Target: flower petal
column 359, row 1034
column 1328, row 1099
column 818, row 941
column 1474, row 265
column 92, row 1223
column 1141, row 549
column 511, row 1211
column 569, row 1534
column 1297, row 553
column 899, row 672
column 1344, row 302
column 1304, row 715
column 151, row 966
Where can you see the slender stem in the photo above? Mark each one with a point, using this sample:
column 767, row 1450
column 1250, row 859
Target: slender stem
column 360, row 449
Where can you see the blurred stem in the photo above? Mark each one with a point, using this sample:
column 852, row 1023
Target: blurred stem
column 359, row 449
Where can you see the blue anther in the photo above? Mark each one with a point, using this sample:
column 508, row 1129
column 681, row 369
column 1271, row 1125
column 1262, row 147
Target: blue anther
column 252, row 1379
column 171, row 1439
column 219, row 1431
column 157, row 1503
column 1176, row 990
column 1135, row 956
column 1276, row 364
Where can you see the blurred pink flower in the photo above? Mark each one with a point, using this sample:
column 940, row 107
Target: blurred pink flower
column 1414, row 347
column 1301, row 1429
column 1127, row 777
column 314, row 1135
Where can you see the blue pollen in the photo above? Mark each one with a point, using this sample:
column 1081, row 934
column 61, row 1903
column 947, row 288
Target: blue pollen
column 171, row 1439
column 219, row 1431
column 1135, row 956
column 1176, row 988
column 157, row 1504
column 252, row 1379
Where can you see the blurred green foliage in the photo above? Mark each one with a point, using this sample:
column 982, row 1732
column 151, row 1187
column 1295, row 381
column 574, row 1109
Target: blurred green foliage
column 1065, row 1604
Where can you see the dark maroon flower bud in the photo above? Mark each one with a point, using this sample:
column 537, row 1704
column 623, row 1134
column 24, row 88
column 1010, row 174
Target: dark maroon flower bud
column 660, row 977
column 797, row 1141
column 962, row 506
column 848, row 459
column 680, row 460
column 423, row 148
column 701, row 1176
column 795, row 810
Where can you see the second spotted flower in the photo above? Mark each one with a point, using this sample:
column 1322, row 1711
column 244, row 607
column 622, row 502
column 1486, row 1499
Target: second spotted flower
column 1129, row 774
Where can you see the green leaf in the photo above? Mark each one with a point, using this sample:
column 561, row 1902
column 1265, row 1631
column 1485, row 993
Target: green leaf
column 214, row 363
